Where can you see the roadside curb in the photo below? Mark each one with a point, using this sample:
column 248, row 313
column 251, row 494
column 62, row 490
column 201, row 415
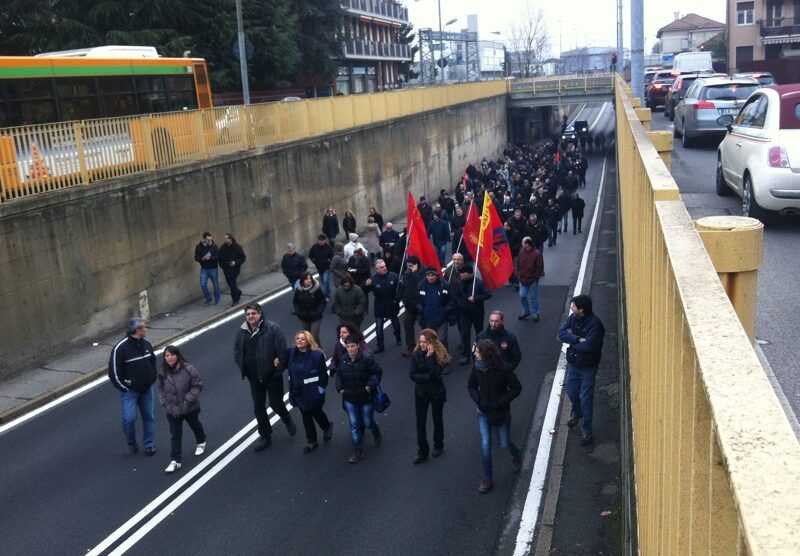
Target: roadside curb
column 94, row 374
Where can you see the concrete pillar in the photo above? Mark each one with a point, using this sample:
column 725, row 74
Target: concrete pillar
column 662, row 141
column 735, row 245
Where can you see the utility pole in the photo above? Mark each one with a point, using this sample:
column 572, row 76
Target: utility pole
column 242, row 54
column 620, row 45
column 441, row 44
column 637, row 48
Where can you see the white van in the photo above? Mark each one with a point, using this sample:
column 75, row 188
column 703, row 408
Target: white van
column 692, row 61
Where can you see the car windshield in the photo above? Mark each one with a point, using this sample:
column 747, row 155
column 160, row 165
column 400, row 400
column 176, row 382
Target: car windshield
column 729, row 92
column 768, row 80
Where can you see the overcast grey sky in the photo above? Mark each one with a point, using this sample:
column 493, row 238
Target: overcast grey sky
column 583, row 22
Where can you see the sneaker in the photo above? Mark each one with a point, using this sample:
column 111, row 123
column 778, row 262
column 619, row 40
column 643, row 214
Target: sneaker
column 263, row 443
column 173, row 467
column 523, row 316
column 208, row 302
column 201, row 449
column 586, row 439
column 290, row 426
column 485, row 486
column 516, row 464
column 379, row 349
column 134, row 448
column 150, row 451
column 420, row 458
column 377, row 437
column 437, row 452
column 308, row 448
column 398, row 341
column 328, row 434
column 357, row 456
column 573, row 420
column 536, row 318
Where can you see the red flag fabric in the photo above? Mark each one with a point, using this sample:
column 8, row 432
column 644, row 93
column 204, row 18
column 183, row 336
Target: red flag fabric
column 494, row 258
column 418, row 243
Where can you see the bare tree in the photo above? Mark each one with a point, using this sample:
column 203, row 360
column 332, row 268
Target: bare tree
column 530, row 43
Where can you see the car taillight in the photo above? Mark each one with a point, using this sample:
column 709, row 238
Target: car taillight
column 777, row 158
column 704, row 105
column 657, row 86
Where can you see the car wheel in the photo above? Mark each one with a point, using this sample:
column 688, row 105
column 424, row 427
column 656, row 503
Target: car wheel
column 666, row 112
column 687, row 143
column 749, row 205
column 722, row 188
column 671, row 113
column 675, row 129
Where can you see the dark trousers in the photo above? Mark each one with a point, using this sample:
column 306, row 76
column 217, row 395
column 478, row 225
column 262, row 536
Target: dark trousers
column 466, row 322
column 421, row 407
column 576, row 223
column 379, row 329
column 317, row 414
column 272, row 389
column 176, row 431
column 409, row 318
column 230, row 278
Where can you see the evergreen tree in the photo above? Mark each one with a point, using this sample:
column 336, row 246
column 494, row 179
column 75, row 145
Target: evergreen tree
column 406, row 35
column 317, row 36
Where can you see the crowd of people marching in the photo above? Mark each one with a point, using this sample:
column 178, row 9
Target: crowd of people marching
column 534, row 191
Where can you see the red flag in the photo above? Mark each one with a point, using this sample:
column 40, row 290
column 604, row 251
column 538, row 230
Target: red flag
column 418, row 243
column 494, row 259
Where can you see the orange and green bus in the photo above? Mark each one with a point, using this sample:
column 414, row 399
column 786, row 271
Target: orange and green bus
column 102, row 82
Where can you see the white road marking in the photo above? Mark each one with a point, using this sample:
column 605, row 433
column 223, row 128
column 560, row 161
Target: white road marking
column 533, row 500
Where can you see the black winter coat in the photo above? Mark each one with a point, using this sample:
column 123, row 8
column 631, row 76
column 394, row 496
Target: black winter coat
column 293, row 265
column 309, row 304
column 506, row 342
column 361, row 269
column 308, row 378
column 321, row 256
column 349, row 224
column 427, row 376
column 330, row 225
column 268, row 342
column 231, row 253
column 493, row 390
column 384, row 288
column 353, row 376
column 200, row 251
column 132, row 365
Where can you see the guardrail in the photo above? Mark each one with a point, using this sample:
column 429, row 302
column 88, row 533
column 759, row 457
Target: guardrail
column 562, row 84
column 36, row 159
column 715, row 460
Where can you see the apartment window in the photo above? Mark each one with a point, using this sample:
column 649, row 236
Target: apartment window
column 743, row 54
column 744, row 13
column 774, row 13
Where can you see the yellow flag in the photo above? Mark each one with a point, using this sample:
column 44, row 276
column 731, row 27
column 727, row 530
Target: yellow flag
column 485, row 218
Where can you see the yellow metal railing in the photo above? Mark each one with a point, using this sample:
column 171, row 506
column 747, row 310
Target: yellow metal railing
column 36, row 159
column 563, row 84
column 716, row 461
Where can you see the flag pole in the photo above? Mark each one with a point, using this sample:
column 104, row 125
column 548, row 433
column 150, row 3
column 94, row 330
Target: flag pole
column 405, row 251
column 460, row 240
column 481, row 231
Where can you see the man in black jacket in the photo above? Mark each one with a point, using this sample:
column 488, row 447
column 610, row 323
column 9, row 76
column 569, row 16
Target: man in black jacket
column 407, row 293
column 261, row 354
column 583, row 333
column 231, row 259
column 503, row 339
column 293, row 265
column 206, row 253
column 321, row 254
column 383, row 286
column 330, row 225
column 132, row 371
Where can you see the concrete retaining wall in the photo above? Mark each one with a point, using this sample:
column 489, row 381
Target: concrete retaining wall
column 75, row 264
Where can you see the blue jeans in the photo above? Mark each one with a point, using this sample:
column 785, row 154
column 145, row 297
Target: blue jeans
column 580, row 390
column 212, row 274
column 529, row 296
column 441, row 252
column 361, row 417
column 551, row 235
column 565, row 221
column 325, row 280
column 486, row 441
column 145, row 402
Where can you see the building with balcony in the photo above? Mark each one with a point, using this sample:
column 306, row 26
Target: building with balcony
column 764, row 35
column 371, row 53
column 687, row 33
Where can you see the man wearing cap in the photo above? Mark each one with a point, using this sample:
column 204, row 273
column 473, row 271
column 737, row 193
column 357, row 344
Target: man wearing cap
column 132, row 371
column 470, row 294
column 352, row 245
column 434, row 304
column 321, row 254
column 293, row 265
column 407, row 293
column 260, row 353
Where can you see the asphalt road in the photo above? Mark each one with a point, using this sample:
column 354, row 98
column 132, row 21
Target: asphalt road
column 777, row 303
column 68, row 484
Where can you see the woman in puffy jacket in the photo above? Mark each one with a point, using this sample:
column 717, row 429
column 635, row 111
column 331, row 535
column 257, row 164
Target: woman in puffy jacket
column 492, row 387
column 309, row 303
column 308, row 380
column 372, row 240
column 179, row 386
column 429, row 358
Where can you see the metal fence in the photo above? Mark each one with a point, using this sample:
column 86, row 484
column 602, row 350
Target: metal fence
column 715, row 460
column 37, row 159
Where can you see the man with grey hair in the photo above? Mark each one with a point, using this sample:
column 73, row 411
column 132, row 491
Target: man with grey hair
column 383, row 286
column 132, row 371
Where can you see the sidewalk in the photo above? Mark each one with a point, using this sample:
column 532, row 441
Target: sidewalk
column 33, row 388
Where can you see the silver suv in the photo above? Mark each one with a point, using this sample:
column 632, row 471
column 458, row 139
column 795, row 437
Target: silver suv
column 706, row 100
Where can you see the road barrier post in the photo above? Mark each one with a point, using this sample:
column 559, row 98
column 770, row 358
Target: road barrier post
column 644, row 116
column 662, row 141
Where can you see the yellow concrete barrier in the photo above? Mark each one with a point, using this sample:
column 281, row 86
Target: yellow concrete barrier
column 716, row 462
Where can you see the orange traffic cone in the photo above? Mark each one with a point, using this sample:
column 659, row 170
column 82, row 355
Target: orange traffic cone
column 38, row 169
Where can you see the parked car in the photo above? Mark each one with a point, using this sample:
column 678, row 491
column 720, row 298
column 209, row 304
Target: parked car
column 678, row 89
column 759, row 158
column 707, row 99
column 763, row 77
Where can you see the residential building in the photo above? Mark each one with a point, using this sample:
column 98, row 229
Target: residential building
column 687, row 33
column 764, row 35
column 371, row 54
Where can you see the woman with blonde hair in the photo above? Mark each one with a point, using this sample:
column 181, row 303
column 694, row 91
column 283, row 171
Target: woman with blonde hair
column 429, row 359
column 308, row 380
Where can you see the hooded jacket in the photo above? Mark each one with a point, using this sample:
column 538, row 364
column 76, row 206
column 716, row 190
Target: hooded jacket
column 132, row 365
column 267, row 343
column 179, row 389
column 309, row 302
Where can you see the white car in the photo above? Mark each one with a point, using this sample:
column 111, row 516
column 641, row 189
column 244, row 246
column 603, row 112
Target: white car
column 759, row 158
